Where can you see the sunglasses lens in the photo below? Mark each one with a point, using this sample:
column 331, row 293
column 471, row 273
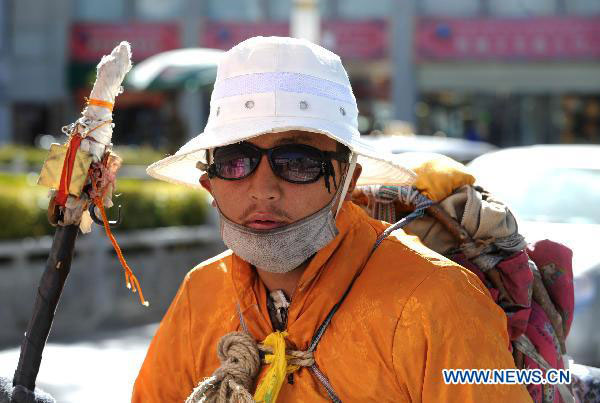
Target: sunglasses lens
column 235, row 161
column 297, row 164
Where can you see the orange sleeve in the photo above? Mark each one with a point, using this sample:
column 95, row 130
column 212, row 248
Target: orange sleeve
column 168, row 370
column 450, row 321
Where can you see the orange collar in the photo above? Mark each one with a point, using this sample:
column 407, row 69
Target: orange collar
column 322, row 284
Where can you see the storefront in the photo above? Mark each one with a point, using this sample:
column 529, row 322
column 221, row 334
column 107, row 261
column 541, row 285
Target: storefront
column 510, row 81
column 503, row 71
column 362, row 45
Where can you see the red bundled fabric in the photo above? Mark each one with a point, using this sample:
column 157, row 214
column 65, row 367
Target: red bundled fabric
column 525, row 316
column 554, row 262
column 517, row 279
column 542, row 335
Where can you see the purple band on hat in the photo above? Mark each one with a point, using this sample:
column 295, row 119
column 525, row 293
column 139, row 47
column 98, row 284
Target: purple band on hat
column 282, row 81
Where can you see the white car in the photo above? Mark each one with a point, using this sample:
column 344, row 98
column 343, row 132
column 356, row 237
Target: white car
column 458, row 149
column 554, row 191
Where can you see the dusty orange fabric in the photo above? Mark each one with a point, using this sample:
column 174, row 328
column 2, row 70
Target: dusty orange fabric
column 410, row 314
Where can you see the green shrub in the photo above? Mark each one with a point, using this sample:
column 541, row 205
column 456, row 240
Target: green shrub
column 146, row 204
column 149, row 204
column 134, row 155
column 31, row 156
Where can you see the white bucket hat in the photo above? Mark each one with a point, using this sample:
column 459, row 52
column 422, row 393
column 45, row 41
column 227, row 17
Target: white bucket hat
column 275, row 84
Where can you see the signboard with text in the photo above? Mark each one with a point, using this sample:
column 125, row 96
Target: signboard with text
column 531, row 39
column 355, row 40
column 90, row 41
column 436, row 39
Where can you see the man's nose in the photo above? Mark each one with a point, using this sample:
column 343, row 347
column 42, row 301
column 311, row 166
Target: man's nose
column 264, row 184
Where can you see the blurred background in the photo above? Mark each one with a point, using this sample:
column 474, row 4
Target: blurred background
column 466, row 78
column 509, row 72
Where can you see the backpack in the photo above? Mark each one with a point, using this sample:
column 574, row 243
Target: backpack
column 532, row 283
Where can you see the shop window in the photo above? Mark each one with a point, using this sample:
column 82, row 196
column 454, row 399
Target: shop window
column 364, row 10
column 235, row 10
column 583, row 7
column 94, row 10
column 580, row 119
column 455, row 8
column 522, row 8
column 159, row 9
column 279, row 10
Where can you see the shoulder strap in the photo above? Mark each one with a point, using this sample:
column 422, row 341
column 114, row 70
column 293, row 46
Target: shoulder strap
column 422, row 203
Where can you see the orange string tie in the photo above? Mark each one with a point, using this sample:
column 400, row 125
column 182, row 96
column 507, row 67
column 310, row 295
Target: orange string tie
column 99, row 102
column 130, row 279
column 106, row 122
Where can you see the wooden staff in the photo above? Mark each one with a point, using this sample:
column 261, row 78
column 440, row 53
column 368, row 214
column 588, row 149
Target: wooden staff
column 111, row 71
column 50, row 288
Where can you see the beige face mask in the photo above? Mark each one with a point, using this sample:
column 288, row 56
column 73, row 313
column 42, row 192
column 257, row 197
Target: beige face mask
column 282, row 249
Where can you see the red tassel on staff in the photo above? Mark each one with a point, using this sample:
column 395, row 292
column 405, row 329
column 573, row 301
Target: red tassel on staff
column 67, row 171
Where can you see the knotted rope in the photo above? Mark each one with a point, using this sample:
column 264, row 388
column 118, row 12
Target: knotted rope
column 240, row 362
column 240, row 357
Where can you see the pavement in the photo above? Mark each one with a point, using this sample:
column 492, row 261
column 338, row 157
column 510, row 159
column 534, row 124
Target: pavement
column 101, row 368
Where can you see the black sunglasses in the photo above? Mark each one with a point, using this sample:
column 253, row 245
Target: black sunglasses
column 295, row 163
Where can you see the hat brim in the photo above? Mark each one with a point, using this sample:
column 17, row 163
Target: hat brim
column 378, row 166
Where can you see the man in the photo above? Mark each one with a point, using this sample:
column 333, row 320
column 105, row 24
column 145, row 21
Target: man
column 279, row 155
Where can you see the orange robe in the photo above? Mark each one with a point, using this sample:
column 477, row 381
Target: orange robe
column 410, row 314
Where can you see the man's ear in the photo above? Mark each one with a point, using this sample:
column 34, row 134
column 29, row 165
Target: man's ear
column 205, row 183
column 355, row 176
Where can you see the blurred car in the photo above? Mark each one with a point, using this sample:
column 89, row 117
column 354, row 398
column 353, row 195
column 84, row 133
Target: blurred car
column 554, row 191
column 458, row 149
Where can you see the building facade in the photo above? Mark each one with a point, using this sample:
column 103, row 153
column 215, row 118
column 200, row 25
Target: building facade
column 506, row 71
column 35, row 54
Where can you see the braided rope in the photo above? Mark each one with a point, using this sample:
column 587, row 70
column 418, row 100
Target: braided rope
column 240, row 357
column 240, row 362
column 325, row 382
column 299, row 358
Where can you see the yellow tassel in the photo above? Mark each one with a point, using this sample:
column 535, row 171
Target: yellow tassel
column 270, row 384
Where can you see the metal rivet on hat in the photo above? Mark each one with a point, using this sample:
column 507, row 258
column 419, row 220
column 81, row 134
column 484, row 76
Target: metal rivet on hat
column 303, row 105
column 249, row 104
column 218, row 110
column 342, row 111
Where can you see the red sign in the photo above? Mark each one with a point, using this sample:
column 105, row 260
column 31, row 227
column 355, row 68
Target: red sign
column 351, row 40
column 225, row 35
column 504, row 39
column 357, row 40
column 89, row 42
